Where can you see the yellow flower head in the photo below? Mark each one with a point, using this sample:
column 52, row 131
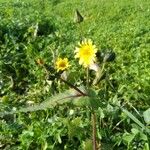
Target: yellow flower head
column 62, row 64
column 86, row 52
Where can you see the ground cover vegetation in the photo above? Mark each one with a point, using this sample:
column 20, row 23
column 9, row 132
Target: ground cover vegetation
column 75, row 74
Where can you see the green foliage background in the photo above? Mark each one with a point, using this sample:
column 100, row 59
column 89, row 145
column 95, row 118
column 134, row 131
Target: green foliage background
column 122, row 26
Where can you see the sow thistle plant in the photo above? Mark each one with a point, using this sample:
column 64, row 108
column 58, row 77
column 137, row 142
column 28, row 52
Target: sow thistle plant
column 86, row 53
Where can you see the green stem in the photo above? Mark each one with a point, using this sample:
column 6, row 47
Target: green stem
column 103, row 66
column 87, row 78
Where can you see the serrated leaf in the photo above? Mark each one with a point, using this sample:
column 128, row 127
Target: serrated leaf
column 67, row 96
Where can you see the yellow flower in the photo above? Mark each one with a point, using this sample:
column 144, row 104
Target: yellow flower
column 86, row 52
column 62, row 64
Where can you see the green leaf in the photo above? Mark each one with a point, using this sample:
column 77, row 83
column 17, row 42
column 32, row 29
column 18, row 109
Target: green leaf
column 67, row 96
column 92, row 100
column 143, row 136
column 135, row 131
column 87, row 145
column 146, row 115
column 135, row 120
column 75, row 127
column 146, row 146
column 128, row 137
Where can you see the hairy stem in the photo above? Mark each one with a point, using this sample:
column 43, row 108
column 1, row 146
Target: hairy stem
column 93, row 118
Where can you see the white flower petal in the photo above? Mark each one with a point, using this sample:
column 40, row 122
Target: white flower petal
column 94, row 67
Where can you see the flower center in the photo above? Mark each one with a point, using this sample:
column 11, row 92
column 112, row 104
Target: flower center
column 62, row 64
column 86, row 51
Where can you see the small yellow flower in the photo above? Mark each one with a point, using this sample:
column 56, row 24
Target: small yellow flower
column 62, row 64
column 86, row 52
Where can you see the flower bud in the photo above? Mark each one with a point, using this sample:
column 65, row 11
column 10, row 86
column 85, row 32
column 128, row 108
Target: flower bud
column 110, row 56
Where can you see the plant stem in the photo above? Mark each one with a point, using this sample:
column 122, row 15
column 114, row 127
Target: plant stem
column 87, row 78
column 93, row 118
column 74, row 87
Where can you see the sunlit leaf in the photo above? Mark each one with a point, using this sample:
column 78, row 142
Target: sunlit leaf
column 146, row 115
